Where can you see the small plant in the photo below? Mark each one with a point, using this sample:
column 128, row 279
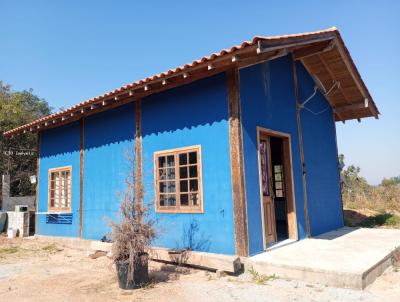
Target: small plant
column 9, row 250
column 51, row 248
column 260, row 278
column 132, row 235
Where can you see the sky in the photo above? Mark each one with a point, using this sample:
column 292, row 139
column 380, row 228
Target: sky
column 70, row 51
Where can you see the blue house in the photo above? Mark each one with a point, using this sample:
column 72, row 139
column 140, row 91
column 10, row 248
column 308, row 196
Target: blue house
column 235, row 151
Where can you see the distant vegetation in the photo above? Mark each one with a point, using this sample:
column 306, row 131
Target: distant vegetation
column 368, row 205
column 16, row 155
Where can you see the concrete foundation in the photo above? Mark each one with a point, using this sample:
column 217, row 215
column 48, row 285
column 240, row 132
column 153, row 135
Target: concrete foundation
column 347, row 257
column 220, row 262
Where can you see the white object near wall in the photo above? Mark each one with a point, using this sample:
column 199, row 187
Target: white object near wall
column 11, row 233
column 19, row 221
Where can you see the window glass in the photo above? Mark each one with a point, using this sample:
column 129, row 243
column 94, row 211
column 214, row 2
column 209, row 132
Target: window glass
column 60, row 189
column 178, row 191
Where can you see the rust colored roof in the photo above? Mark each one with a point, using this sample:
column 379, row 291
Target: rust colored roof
column 323, row 53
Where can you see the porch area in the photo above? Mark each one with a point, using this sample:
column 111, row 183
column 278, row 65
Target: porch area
column 347, row 257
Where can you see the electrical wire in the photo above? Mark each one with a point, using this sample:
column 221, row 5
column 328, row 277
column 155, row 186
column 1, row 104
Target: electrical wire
column 302, row 105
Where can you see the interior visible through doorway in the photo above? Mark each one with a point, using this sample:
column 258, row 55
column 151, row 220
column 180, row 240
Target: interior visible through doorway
column 279, row 218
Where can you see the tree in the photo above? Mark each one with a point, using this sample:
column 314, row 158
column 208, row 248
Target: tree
column 17, row 108
column 391, row 181
column 354, row 186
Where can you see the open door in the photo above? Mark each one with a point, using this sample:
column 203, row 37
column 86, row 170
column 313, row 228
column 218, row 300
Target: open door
column 276, row 187
column 267, row 192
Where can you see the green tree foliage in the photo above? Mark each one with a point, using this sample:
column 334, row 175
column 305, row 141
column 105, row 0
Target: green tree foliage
column 352, row 183
column 392, row 181
column 17, row 108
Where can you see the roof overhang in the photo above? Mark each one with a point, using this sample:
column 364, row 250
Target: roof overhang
column 323, row 53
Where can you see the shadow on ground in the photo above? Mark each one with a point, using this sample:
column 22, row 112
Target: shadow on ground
column 167, row 272
column 356, row 219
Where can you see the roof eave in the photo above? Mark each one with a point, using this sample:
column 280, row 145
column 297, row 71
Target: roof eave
column 251, row 52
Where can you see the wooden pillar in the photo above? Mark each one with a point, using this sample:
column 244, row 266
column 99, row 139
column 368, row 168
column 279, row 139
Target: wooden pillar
column 37, row 180
column 237, row 167
column 81, row 173
column 138, row 150
column 300, row 131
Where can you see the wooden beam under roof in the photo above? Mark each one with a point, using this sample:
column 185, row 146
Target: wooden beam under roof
column 354, row 106
column 312, row 50
column 328, row 98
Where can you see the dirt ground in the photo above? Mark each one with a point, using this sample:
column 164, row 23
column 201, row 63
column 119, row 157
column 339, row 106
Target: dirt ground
column 34, row 270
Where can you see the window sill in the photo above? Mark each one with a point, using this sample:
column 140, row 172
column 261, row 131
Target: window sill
column 60, row 211
column 173, row 211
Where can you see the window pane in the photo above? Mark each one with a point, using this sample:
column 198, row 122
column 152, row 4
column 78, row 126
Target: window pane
column 163, row 200
column 162, row 187
column 183, row 172
column 278, row 177
column 277, row 169
column 184, row 199
column 171, row 160
column 161, row 162
column 279, row 193
column 278, row 185
column 194, row 199
column 183, row 185
column 171, row 186
column 183, row 159
column 170, row 173
column 193, row 171
column 171, row 200
column 162, row 174
column 193, row 157
column 193, row 185
column 264, row 168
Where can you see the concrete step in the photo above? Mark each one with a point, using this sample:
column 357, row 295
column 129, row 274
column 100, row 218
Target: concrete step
column 348, row 257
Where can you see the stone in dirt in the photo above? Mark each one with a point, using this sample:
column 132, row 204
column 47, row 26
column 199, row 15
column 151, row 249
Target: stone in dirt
column 96, row 254
column 220, row 273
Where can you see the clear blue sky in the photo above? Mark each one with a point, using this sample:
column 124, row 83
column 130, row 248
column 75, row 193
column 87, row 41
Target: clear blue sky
column 68, row 51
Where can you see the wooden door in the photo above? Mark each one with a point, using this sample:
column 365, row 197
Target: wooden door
column 267, row 191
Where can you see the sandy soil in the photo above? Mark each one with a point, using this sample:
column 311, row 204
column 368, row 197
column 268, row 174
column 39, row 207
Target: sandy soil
column 33, row 270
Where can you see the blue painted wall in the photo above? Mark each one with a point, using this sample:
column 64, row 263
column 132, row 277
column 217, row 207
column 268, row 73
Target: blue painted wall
column 267, row 100
column 320, row 154
column 109, row 139
column 59, row 147
column 195, row 114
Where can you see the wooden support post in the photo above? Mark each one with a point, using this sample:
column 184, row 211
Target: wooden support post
column 237, row 168
column 81, row 174
column 138, row 150
column 37, row 180
column 300, row 132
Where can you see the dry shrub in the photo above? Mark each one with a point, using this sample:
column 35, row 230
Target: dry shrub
column 134, row 233
column 378, row 198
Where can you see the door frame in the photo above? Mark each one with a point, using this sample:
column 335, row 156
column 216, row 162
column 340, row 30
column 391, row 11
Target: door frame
column 289, row 183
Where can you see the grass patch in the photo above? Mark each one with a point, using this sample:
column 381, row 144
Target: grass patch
column 385, row 219
column 9, row 250
column 354, row 218
column 51, row 248
column 260, row 278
